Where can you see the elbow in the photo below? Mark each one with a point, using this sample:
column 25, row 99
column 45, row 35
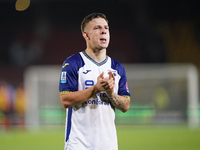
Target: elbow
column 125, row 109
column 65, row 103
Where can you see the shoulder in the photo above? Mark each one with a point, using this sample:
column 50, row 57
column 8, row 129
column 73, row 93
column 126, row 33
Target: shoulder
column 74, row 60
column 117, row 66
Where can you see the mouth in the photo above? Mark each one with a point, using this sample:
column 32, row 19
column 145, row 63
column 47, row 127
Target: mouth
column 103, row 40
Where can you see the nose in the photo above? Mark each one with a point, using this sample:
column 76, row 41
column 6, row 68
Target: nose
column 103, row 31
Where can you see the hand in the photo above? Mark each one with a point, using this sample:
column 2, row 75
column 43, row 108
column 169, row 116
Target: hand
column 110, row 84
column 105, row 84
column 99, row 86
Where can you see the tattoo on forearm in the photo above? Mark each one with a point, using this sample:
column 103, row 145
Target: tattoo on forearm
column 120, row 102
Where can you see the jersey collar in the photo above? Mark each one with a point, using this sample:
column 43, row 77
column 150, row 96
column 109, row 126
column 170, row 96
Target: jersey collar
column 98, row 64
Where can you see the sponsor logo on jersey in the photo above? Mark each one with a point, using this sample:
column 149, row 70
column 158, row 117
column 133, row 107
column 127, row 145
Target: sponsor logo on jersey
column 65, row 65
column 87, row 71
column 63, row 77
column 97, row 102
column 99, row 99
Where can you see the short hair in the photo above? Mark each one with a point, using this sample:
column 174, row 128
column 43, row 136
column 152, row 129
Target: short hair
column 90, row 17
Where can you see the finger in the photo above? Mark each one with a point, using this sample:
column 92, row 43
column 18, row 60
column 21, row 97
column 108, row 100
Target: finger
column 106, row 79
column 104, row 84
column 110, row 81
column 111, row 75
column 101, row 75
column 106, row 87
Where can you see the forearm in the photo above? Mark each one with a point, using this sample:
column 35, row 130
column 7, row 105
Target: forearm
column 120, row 102
column 78, row 97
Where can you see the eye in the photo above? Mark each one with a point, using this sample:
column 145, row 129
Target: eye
column 106, row 27
column 96, row 27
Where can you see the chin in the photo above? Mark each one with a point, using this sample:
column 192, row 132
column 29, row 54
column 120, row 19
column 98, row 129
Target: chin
column 102, row 48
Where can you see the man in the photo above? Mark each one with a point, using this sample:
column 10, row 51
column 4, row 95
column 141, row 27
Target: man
column 92, row 85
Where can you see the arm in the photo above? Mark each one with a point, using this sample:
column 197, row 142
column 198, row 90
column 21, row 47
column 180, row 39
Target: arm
column 120, row 102
column 79, row 97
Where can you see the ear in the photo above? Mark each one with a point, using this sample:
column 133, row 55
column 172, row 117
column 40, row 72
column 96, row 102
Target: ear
column 85, row 35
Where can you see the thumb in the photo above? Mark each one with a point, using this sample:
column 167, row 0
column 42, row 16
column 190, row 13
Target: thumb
column 111, row 75
column 101, row 75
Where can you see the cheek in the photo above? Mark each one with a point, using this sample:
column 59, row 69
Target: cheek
column 96, row 38
column 108, row 35
column 109, row 38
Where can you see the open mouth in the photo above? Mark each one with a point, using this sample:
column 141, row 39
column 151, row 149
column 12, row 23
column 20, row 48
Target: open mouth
column 103, row 40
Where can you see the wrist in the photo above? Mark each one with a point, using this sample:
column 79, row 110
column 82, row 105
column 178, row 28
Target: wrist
column 110, row 95
column 95, row 90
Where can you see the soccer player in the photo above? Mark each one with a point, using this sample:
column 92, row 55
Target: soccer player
column 92, row 86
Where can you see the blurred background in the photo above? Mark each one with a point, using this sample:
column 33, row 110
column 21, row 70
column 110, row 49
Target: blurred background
column 160, row 39
column 157, row 41
column 142, row 31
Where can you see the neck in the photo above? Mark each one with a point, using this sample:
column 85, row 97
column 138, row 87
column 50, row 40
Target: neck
column 97, row 55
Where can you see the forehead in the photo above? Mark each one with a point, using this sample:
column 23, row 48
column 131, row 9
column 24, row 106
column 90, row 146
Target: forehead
column 98, row 21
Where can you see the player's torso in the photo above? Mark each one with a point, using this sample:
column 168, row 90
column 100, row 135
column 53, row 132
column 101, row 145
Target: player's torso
column 94, row 119
column 88, row 74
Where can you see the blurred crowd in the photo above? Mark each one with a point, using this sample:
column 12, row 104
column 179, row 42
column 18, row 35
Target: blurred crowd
column 12, row 106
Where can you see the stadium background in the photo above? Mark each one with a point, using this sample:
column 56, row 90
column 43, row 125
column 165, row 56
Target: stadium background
column 142, row 32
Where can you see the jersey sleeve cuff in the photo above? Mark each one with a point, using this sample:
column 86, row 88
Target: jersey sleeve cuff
column 64, row 92
column 127, row 97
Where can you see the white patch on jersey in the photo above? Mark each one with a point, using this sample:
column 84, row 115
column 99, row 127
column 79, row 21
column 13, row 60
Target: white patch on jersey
column 63, row 77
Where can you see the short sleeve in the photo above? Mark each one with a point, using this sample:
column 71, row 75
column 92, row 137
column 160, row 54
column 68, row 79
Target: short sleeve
column 69, row 74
